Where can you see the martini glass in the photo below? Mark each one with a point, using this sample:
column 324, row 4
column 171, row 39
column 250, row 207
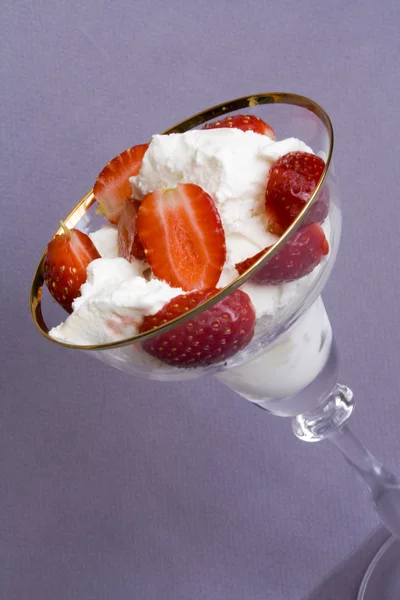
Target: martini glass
column 290, row 368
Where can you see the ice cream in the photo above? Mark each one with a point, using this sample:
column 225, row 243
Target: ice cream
column 232, row 167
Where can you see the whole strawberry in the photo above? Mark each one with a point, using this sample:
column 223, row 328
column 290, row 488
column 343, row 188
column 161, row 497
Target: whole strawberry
column 245, row 123
column 291, row 183
column 210, row 337
column 298, row 257
column 65, row 264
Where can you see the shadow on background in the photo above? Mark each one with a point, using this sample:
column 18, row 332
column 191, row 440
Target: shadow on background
column 345, row 580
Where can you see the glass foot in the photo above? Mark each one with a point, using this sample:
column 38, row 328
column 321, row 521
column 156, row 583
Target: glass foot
column 382, row 579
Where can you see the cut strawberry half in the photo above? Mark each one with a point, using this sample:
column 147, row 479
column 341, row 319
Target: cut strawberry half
column 67, row 258
column 212, row 336
column 291, row 183
column 298, row 257
column 183, row 237
column 112, row 186
column 129, row 244
column 245, row 123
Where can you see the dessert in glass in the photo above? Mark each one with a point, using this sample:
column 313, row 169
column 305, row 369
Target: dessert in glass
column 212, row 247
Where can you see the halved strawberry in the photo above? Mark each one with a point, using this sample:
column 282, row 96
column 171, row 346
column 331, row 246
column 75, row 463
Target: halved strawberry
column 183, row 237
column 129, row 244
column 298, row 257
column 65, row 264
column 245, row 123
column 112, row 186
column 212, row 336
column 291, row 182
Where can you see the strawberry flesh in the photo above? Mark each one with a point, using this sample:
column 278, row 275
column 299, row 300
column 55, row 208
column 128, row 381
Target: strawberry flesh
column 291, row 183
column 210, row 337
column 112, row 186
column 129, row 244
column 245, row 123
column 298, row 257
column 67, row 258
column 183, row 237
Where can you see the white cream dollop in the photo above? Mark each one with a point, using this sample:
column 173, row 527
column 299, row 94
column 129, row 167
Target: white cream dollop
column 106, row 241
column 114, row 300
column 231, row 166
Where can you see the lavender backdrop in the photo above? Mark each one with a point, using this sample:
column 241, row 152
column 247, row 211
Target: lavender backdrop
column 114, row 487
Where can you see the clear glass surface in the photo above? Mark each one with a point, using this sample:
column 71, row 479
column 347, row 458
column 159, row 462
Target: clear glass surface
column 290, row 367
column 382, row 579
column 278, row 330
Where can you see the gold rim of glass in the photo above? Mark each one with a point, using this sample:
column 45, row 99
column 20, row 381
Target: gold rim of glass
column 194, row 121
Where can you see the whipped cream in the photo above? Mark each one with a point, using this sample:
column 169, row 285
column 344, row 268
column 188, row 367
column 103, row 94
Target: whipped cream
column 232, row 167
column 114, row 300
column 273, row 377
column 106, row 241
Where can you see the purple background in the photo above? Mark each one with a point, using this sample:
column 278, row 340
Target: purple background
column 114, row 487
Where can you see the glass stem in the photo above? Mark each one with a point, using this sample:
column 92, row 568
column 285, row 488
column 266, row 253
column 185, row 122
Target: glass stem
column 328, row 421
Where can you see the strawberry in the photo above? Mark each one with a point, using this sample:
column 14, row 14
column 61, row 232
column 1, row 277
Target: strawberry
column 129, row 244
column 212, row 336
column 65, row 264
column 245, row 123
column 291, row 182
column 298, row 257
column 183, row 237
column 112, row 186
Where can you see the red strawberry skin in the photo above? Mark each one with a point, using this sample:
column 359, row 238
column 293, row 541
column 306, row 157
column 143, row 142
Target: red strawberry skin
column 291, row 182
column 129, row 244
column 65, row 264
column 112, row 186
column 245, row 123
column 210, row 337
column 183, row 237
column 298, row 257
